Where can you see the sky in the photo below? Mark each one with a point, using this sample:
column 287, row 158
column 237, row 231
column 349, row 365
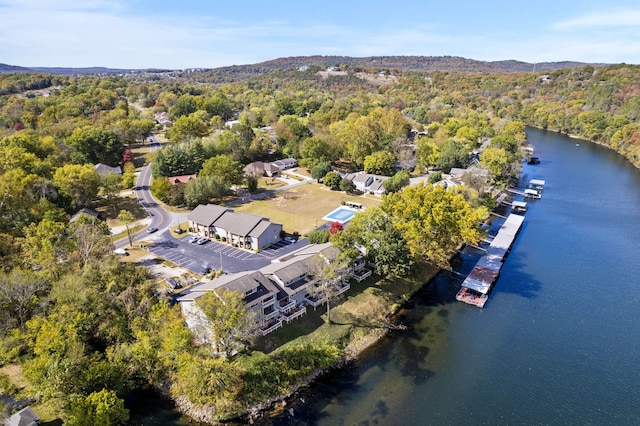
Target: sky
column 170, row 34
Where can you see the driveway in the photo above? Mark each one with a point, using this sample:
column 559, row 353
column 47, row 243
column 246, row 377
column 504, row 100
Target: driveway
column 216, row 255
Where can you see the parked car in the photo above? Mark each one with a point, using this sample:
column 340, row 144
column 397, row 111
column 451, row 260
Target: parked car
column 202, row 240
column 193, row 239
column 151, row 230
column 173, row 283
column 121, row 252
column 205, row 270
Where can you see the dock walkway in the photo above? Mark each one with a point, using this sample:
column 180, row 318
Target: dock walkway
column 476, row 286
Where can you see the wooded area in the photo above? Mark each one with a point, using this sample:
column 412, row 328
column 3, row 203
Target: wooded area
column 86, row 328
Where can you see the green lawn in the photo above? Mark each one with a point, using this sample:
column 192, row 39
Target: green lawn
column 301, row 209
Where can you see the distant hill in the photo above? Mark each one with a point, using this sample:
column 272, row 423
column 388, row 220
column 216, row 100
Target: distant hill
column 4, row 68
column 416, row 63
column 422, row 63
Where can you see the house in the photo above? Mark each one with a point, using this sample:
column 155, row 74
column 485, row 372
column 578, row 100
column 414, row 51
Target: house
column 202, row 218
column 364, row 182
column 162, row 118
column 241, row 229
column 174, row 180
column 286, row 163
column 24, row 417
column 103, row 169
column 259, row 168
column 231, row 123
column 277, row 293
column 247, row 230
column 85, row 211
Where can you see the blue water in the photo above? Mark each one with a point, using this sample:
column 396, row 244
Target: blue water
column 559, row 339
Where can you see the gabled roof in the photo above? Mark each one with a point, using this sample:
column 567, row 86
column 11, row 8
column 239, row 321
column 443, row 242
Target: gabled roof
column 24, row 417
column 181, row 179
column 84, row 210
column 260, row 228
column 362, row 177
column 246, row 283
column 238, row 223
column 103, row 169
column 207, row 214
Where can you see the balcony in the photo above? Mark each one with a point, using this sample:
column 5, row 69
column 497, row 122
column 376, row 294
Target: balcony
column 344, row 287
column 361, row 274
column 268, row 302
column 286, row 305
column 314, row 301
column 270, row 326
column 270, row 313
column 294, row 313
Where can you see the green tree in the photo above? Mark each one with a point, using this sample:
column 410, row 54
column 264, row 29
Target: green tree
column 225, row 167
column 433, row 221
column 329, row 272
column 314, row 150
column 186, row 128
column 252, row 184
column 320, row 170
column 102, row 408
column 332, row 180
column 385, row 247
column 96, row 145
column 496, row 160
column 79, row 183
column 396, row 182
column 232, row 324
column 203, row 189
column 347, row 185
column 453, row 154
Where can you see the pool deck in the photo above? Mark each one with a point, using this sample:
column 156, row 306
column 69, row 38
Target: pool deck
column 346, row 216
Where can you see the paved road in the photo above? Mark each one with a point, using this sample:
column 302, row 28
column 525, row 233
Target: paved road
column 160, row 218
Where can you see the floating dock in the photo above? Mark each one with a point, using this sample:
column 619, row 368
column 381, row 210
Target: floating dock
column 475, row 288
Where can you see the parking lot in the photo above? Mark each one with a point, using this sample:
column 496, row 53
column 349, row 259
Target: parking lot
column 215, row 255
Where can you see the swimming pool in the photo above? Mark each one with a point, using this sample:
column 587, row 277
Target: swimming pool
column 341, row 214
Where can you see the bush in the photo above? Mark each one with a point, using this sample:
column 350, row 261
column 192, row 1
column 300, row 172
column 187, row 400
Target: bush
column 318, row 236
column 435, row 177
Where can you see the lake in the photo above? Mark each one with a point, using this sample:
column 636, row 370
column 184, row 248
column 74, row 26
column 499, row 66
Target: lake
column 558, row 341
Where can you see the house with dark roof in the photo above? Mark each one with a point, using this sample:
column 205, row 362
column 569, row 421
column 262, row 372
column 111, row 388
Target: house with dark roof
column 85, row 211
column 24, row 417
column 260, row 168
column 278, row 293
column 241, row 229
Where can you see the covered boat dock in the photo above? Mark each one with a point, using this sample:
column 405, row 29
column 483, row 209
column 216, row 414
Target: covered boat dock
column 478, row 284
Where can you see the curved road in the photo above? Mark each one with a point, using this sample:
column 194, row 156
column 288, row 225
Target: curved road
column 162, row 219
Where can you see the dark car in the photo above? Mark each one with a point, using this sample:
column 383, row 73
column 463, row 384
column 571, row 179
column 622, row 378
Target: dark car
column 173, row 283
column 151, row 230
column 205, row 270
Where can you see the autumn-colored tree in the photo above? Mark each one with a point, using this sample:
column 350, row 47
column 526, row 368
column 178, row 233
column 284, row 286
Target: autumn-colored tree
column 433, row 221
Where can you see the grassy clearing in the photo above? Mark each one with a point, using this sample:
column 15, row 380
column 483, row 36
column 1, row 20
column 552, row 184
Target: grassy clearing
column 301, row 209
column 365, row 310
column 111, row 208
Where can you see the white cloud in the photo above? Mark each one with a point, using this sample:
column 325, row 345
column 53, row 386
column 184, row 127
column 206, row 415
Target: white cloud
column 616, row 19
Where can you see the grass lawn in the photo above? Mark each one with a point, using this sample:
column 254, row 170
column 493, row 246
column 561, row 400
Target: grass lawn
column 110, row 208
column 301, row 209
column 366, row 308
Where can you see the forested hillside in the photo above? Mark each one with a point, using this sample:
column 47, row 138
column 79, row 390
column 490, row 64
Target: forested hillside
column 85, row 329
